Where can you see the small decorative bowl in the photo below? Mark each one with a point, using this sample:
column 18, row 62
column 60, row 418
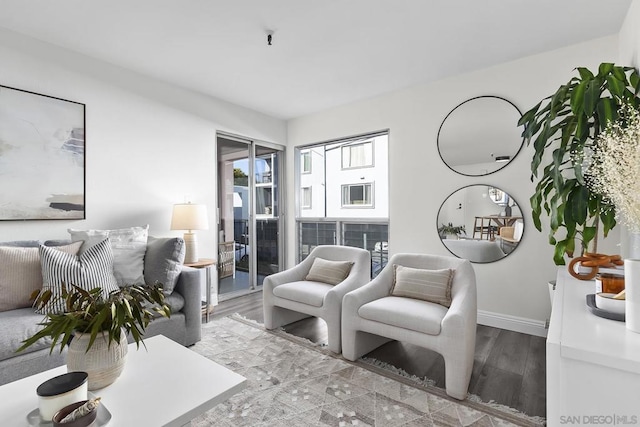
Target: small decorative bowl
column 605, row 301
column 60, row 391
column 84, row 421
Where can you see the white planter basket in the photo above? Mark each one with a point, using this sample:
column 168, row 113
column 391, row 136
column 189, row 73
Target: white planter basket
column 102, row 362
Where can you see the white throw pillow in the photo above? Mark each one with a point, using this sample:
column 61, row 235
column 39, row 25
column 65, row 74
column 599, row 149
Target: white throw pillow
column 129, row 246
column 92, row 269
column 21, row 274
column 331, row 272
column 428, row 285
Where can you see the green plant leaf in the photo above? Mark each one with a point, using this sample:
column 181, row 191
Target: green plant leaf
column 615, row 86
column 588, row 234
column 591, row 96
column 605, row 68
column 585, row 74
column 558, row 254
column 577, row 98
column 577, row 201
column 607, row 112
column 634, row 79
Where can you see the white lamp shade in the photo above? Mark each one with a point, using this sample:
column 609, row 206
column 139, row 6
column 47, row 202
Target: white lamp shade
column 188, row 216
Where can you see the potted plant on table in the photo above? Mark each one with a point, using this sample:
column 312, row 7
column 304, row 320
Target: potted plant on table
column 563, row 128
column 451, row 231
column 95, row 327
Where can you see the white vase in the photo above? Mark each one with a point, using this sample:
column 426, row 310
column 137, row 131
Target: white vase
column 632, row 288
column 634, row 245
column 103, row 362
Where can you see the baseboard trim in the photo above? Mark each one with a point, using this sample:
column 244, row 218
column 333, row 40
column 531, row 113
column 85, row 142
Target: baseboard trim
column 512, row 323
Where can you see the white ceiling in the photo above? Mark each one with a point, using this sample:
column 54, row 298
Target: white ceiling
column 325, row 52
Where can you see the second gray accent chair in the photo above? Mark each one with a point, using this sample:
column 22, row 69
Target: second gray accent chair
column 371, row 317
column 299, row 298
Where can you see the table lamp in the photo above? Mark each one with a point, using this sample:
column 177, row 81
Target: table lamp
column 188, row 216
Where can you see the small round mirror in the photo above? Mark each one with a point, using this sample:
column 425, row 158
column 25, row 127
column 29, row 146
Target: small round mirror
column 480, row 136
column 480, row 223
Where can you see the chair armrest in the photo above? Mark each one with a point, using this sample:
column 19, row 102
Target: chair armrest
column 463, row 310
column 376, row 289
column 341, row 289
column 294, row 274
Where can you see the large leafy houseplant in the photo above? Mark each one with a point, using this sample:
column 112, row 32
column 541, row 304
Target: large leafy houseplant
column 563, row 128
column 127, row 310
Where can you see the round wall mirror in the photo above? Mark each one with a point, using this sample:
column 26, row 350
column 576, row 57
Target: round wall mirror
column 480, row 136
column 480, row 223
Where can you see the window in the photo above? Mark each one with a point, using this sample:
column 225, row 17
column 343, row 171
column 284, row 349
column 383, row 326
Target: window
column 305, row 200
column 357, row 195
column 344, row 198
column 305, row 161
column 357, row 155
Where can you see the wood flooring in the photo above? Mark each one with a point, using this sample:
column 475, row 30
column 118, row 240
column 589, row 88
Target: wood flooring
column 509, row 367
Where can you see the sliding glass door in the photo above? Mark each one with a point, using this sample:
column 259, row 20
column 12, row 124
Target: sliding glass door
column 250, row 220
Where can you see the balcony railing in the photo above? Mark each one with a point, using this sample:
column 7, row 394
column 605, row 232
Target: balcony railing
column 372, row 236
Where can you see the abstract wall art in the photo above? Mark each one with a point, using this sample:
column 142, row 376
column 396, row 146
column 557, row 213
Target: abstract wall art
column 42, row 156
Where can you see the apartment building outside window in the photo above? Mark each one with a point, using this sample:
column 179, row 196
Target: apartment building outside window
column 344, row 196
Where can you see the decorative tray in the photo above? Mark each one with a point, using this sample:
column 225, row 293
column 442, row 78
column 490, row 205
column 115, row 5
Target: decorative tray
column 102, row 419
column 591, row 303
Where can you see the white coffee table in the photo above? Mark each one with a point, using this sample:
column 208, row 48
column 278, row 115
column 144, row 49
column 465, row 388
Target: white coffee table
column 168, row 385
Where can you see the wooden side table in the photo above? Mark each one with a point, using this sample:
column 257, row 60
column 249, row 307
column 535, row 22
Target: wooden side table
column 205, row 263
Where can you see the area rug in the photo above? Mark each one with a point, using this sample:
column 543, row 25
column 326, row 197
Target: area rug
column 293, row 382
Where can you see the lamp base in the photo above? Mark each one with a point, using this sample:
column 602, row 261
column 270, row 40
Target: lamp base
column 191, row 248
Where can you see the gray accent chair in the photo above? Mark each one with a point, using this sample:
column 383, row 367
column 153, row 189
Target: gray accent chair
column 308, row 298
column 372, row 317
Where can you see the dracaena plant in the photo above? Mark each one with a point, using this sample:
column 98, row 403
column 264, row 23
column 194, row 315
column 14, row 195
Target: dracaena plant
column 563, row 128
column 127, row 310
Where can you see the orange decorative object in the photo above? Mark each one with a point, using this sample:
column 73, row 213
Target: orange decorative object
column 594, row 261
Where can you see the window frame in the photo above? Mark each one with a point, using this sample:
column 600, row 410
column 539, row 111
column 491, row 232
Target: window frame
column 302, row 198
column 357, row 206
column 358, row 144
column 305, row 154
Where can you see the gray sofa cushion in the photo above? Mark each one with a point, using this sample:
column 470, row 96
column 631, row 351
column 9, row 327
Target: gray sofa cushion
column 15, row 327
column 22, row 243
column 163, row 261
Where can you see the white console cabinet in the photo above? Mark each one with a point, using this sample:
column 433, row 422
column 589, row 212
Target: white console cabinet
column 593, row 364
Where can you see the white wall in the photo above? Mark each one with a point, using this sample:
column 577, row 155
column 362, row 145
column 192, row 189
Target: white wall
column 630, row 37
column 419, row 181
column 148, row 144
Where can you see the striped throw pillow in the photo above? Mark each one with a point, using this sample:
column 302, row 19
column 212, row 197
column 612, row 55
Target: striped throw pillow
column 92, row 269
column 331, row 272
column 21, row 274
column 428, row 285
